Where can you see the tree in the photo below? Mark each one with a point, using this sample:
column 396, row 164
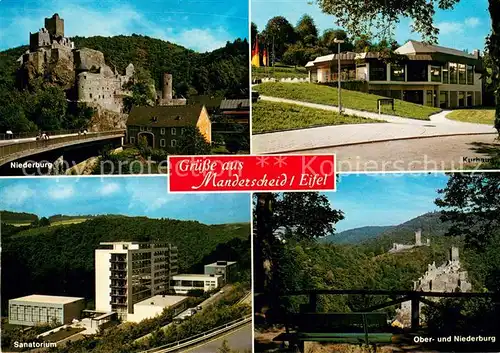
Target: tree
column 306, row 30
column 279, row 33
column 493, row 44
column 362, row 44
column 471, row 202
column 253, row 32
column 295, row 55
column 192, row 142
column 327, row 40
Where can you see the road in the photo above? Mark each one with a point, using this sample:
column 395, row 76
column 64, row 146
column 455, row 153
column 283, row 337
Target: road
column 238, row 340
column 28, row 139
column 435, row 153
column 392, row 129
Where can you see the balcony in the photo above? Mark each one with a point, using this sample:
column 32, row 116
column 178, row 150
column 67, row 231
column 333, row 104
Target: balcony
column 118, row 260
column 118, row 302
column 119, row 268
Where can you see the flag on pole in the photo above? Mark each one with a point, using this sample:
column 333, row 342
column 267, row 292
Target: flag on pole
column 265, row 58
column 255, row 53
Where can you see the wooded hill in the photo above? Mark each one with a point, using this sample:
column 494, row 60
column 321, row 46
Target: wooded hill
column 222, row 72
column 59, row 260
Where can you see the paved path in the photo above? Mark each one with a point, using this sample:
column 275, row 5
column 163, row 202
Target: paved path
column 27, row 139
column 434, row 153
column 395, row 128
column 238, row 340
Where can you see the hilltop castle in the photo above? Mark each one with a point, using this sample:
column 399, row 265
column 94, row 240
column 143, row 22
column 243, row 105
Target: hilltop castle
column 396, row 247
column 83, row 73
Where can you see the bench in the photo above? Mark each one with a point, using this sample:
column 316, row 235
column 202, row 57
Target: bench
column 353, row 328
column 384, row 101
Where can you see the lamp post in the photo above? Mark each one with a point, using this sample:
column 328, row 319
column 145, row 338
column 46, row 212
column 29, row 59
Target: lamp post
column 339, row 41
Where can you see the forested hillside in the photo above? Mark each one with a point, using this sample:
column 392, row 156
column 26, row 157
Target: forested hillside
column 221, row 72
column 355, row 235
column 59, row 260
column 17, row 217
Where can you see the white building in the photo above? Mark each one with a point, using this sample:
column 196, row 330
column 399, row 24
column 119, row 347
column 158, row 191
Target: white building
column 154, row 306
column 129, row 272
column 44, row 309
column 424, row 74
column 182, row 284
column 227, row 269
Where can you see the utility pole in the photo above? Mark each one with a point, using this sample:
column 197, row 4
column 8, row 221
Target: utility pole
column 339, row 41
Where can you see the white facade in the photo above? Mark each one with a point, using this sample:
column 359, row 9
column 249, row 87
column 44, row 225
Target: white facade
column 227, row 269
column 37, row 309
column 129, row 272
column 152, row 307
column 182, row 284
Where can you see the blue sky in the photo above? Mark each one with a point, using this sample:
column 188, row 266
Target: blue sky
column 201, row 25
column 464, row 27
column 132, row 196
column 384, row 199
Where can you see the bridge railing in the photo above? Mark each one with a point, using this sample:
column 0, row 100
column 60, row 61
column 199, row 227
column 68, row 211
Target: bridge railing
column 196, row 338
column 20, row 147
column 22, row 135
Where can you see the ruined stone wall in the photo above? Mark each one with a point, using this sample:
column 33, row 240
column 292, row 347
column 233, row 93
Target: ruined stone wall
column 98, row 89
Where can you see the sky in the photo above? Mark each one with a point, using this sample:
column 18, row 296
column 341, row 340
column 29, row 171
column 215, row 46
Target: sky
column 201, row 25
column 131, row 196
column 384, row 199
column 464, row 27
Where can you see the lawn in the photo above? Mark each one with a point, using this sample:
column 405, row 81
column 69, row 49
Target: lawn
column 270, row 116
column 314, row 93
column 279, row 72
column 478, row 116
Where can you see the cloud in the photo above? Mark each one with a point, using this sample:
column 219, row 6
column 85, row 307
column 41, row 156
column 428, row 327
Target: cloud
column 472, row 22
column 16, row 195
column 109, row 188
column 81, row 20
column 450, row 27
column 61, row 192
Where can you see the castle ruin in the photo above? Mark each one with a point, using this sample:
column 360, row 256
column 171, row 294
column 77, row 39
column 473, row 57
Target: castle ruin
column 82, row 73
column 449, row 277
column 165, row 97
column 396, row 247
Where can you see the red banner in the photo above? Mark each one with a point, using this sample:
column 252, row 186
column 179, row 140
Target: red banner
column 251, row 173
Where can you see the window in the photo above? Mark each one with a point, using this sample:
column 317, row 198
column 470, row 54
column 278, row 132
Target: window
column 446, row 73
column 417, row 71
column 470, row 74
column 436, row 73
column 461, row 74
column 397, row 72
column 461, row 99
column 132, row 139
column 162, row 143
column 173, row 143
column 378, row 71
column 150, row 128
column 142, row 128
column 429, row 101
column 162, row 131
column 173, row 131
column 90, row 95
column 183, row 130
column 453, row 73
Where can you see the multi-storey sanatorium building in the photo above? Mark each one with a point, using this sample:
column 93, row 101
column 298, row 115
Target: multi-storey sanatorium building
column 425, row 74
column 129, row 272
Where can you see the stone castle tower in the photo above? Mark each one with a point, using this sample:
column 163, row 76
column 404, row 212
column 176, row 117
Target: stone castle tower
column 55, row 26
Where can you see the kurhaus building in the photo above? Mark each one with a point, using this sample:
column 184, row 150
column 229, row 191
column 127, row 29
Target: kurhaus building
column 424, row 74
column 163, row 126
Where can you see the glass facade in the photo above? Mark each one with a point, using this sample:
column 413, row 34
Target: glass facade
column 436, row 73
column 378, row 71
column 461, row 74
column 446, row 74
column 397, row 72
column 453, row 67
column 470, row 74
column 417, row 71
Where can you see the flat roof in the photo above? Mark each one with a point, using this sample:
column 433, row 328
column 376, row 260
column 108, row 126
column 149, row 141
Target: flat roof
column 195, row 276
column 48, row 299
column 162, row 300
column 214, row 264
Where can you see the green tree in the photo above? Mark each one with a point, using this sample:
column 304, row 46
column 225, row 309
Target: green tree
column 192, row 142
column 471, row 202
column 306, row 30
column 327, row 40
column 253, row 32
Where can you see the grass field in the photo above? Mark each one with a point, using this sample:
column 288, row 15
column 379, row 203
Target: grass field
column 270, row 117
column 314, row 93
column 279, row 72
column 69, row 221
column 478, row 116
